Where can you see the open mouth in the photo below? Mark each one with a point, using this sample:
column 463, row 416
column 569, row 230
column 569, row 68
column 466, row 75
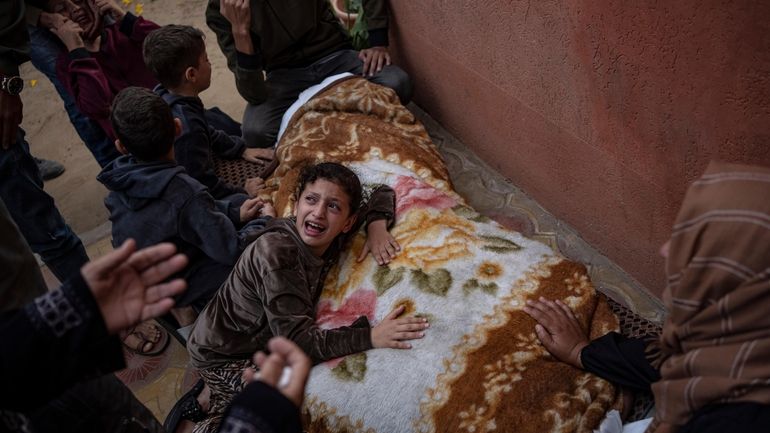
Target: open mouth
column 314, row 229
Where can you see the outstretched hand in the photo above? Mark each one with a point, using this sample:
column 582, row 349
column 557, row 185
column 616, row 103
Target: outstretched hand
column 380, row 243
column 558, row 329
column 393, row 332
column 283, row 353
column 127, row 284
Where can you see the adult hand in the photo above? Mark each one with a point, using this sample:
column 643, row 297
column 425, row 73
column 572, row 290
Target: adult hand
column 70, row 34
column 392, row 331
column 374, row 59
column 380, row 243
column 283, row 353
column 11, row 114
column 238, row 12
column 558, row 329
column 50, row 20
column 250, row 209
column 127, row 284
column 258, row 154
column 110, row 7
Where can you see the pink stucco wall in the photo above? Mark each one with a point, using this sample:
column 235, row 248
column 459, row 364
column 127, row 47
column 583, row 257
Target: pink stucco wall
column 602, row 110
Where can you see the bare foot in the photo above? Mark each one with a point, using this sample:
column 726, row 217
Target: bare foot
column 149, row 331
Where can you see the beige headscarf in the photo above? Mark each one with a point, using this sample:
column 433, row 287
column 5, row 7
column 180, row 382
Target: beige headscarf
column 715, row 345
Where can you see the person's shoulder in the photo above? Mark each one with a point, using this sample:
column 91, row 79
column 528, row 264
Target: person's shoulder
column 276, row 249
column 185, row 187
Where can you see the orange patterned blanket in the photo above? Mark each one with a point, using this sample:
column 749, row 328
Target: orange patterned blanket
column 480, row 367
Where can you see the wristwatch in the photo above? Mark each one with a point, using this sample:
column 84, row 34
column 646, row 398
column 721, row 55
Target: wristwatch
column 11, row 85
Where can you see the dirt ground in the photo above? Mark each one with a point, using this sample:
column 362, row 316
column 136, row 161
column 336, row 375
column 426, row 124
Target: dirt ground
column 78, row 195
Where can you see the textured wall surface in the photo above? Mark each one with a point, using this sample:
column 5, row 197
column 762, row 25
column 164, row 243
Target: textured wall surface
column 602, row 110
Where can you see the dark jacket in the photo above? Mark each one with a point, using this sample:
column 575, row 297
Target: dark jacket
column 273, row 290
column 194, row 146
column 158, row 202
column 288, row 34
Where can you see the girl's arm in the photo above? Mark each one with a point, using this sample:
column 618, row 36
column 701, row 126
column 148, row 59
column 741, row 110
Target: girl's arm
column 290, row 312
column 379, row 215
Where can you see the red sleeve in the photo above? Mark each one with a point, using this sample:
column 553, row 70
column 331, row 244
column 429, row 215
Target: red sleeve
column 88, row 85
column 136, row 28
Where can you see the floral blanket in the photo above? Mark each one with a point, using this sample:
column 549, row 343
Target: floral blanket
column 480, row 367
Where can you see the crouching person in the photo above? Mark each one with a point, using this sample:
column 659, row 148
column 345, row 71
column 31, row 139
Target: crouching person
column 152, row 199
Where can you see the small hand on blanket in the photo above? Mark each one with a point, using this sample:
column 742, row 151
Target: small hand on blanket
column 558, row 329
column 392, row 331
column 380, row 243
column 283, row 353
column 255, row 208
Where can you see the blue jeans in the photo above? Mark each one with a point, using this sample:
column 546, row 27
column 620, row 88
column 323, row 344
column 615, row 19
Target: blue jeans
column 44, row 49
column 34, row 211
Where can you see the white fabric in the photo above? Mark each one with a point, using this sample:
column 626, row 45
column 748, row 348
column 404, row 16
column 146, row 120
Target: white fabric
column 613, row 424
column 304, row 97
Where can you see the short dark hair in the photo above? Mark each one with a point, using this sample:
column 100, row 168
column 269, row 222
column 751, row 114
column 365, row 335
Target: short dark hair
column 335, row 173
column 143, row 123
column 170, row 50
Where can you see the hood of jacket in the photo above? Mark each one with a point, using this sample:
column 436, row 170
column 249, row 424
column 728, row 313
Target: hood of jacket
column 134, row 182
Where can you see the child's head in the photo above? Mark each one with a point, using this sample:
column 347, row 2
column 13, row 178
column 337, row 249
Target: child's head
column 84, row 13
column 328, row 198
column 143, row 124
column 176, row 55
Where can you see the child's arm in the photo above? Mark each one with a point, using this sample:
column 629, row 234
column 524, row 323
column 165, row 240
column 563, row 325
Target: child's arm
column 290, row 312
column 206, row 227
column 379, row 216
column 242, row 52
column 83, row 77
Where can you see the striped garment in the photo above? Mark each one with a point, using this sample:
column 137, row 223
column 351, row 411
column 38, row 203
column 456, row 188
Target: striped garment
column 715, row 344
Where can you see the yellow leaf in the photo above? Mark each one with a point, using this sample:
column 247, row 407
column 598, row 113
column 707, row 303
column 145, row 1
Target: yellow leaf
column 32, row 83
column 127, row 2
column 139, row 8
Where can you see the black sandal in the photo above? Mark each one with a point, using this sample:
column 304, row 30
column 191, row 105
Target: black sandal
column 186, row 408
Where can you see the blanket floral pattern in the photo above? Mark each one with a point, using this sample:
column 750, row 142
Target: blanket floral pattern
column 480, row 367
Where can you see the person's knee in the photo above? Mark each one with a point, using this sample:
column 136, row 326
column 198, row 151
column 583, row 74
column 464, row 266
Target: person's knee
column 259, row 132
column 398, row 80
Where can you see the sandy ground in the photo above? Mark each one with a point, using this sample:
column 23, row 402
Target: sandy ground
column 78, row 195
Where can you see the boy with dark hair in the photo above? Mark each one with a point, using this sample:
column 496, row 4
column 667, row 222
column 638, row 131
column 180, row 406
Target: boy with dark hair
column 176, row 55
column 152, row 199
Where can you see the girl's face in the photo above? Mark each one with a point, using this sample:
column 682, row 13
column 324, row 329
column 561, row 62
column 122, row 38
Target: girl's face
column 323, row 212
column 83, row 12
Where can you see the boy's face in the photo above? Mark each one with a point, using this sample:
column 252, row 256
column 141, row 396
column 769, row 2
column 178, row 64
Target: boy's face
column 83, row 12
column 323, row 212
column 203, row 80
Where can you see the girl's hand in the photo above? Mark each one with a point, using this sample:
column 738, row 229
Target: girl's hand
column 392, row 331
column 110, row 7
column 69, row 33
column 380, row 243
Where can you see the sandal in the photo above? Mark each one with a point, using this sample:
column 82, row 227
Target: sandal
column 144, row 343
column 186, row 408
